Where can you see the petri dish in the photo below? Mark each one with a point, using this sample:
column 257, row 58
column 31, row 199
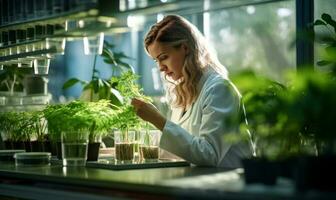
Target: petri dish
column 32, row 158
column 8, row 155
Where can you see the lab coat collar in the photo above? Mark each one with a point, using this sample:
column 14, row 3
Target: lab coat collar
column 178, row 112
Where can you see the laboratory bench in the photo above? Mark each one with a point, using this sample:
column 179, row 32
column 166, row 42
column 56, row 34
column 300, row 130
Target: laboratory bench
column 176, row 182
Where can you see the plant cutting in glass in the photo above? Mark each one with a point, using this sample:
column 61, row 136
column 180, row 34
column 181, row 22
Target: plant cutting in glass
column 147, row 150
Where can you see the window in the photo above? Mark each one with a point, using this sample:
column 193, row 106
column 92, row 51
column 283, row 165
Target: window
column 257, row 37
column 325, row 6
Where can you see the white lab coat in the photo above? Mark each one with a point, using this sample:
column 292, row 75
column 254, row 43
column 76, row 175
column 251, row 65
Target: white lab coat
column 198, row 135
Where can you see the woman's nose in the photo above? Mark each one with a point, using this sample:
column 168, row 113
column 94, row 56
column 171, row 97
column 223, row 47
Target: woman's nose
column 162, row 67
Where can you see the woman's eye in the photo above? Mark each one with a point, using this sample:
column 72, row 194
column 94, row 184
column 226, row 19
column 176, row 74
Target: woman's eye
column 162, row 58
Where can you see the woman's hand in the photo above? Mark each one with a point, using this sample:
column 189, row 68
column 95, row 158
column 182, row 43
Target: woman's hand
column 149, row 112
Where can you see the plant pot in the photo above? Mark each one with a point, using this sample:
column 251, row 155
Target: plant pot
column 59, row 150
column 316, row 173
column 28, row 146
column 36, row 146
column 18, row 145
column 53, row 146
column 8, row 144
column 93, row 151
column 258, row 170
column 46, row 146
column 286, row 167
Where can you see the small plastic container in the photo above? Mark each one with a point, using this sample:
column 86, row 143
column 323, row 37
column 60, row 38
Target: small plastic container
column 36, row 99
column 8, row 155
column 3, row 100
column 32, row 158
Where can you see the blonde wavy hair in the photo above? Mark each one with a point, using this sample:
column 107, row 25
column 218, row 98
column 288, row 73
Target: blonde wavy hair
column 174, row 30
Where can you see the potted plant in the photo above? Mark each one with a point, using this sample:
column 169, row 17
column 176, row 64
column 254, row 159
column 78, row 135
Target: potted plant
column 40, row 128
column 274, row 140
column 99, row 88
column 125, row 143
column 78, row 117
column 53, row 127
column 7, row 121
column 11, row 82
column 16, row 130
column 102, row 115
column 25, row 129
column 312, row 106
column 127, row 120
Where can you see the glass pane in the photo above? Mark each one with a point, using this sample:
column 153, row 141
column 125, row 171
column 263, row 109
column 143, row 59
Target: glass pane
column 325, row 6
column 254, row 37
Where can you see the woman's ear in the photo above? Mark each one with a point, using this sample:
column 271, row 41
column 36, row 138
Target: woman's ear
column 185, row 48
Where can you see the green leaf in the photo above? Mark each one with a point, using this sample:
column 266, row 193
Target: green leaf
column 108, row 45
column 70, row 83
column 102, row 93
column 323, row 63
column 127, row 66
column 89, row 86
column 319, row 22
column 116, row 98
column 327, row 18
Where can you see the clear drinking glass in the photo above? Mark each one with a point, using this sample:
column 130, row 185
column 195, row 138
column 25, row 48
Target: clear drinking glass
column 149, row 145
column 93, row 44
column 124, row 143
column 74, row 148
column 41, row 66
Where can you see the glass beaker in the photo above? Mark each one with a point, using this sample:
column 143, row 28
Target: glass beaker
column 75, row 148
column 93, row 44
column 41, row 66
column 149, row 145
column 124, row 143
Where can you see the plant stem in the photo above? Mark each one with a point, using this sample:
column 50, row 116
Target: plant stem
column 92, row 77
column 12, row 85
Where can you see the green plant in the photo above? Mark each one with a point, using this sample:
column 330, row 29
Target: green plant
column 126, row 119
column 17, row 126
column 127, row 86
column 98, row 87
column 7, row 123
column 11, row 79
column 266, row 102
column 93, row 117
column 312, row 106
column 328, row 40
column 54, row 127
column 39, row 125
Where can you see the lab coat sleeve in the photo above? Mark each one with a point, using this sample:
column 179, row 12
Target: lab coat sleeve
column 220, row 107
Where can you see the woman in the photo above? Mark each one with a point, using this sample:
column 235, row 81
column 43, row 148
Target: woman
column 205, row 104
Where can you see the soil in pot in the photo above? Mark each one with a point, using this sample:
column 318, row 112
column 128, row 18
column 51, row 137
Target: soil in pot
column 124, row 151
column 149, row 152
column 93, row 151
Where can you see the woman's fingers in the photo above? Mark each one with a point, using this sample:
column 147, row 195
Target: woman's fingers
column 136, row 103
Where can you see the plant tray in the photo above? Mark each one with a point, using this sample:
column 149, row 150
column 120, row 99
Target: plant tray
column 110, row 163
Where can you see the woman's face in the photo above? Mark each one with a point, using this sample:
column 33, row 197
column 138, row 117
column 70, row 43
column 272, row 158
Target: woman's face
column 170, row 59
